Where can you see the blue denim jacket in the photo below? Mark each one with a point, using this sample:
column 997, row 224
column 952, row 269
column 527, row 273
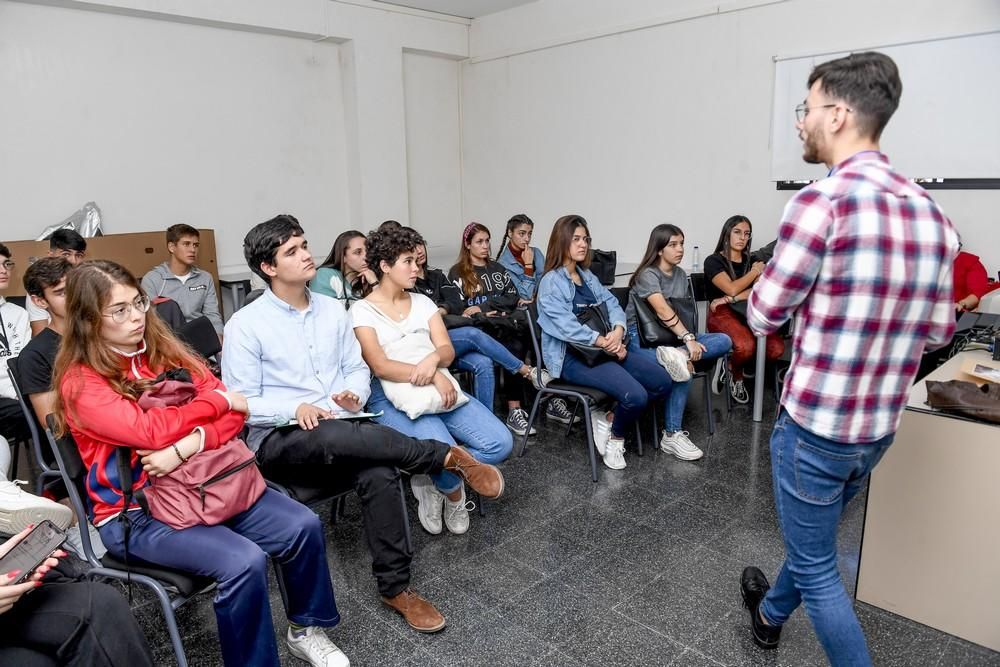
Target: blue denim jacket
column 525, row 284
column 555, row 314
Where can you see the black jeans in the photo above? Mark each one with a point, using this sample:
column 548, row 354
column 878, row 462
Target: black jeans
column 76, row 623
column 338, row 455
column 12, row 423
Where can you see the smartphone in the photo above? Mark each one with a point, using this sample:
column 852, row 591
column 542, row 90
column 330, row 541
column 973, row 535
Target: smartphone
column 32, row 551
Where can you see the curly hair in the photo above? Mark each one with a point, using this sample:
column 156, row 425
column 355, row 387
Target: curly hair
column 387, row 245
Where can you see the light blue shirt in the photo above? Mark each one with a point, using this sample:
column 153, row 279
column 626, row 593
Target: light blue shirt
column 279, row 357
column 557, row 321
column 525, row 284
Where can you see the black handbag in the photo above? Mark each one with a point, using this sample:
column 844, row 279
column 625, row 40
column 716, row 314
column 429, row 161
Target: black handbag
column 652, row 332
column 603, row 264
column 595, row 317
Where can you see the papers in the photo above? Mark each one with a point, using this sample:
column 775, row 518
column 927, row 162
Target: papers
column 344, row 416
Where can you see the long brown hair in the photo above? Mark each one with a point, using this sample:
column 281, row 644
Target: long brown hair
column 658, row 240
column 724, row 245
column 560, row 240
column 88, row 290
column 463, row 267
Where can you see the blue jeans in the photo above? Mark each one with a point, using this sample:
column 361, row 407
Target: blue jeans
column 814, row 479
column 715, row 344
column 476, row 351
column 472, row 425
column 235, row 554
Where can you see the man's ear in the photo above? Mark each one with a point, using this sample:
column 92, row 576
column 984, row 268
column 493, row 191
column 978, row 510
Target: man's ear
column 268, row 269
column 838, row 118
column 171, row 247
column 39, row 301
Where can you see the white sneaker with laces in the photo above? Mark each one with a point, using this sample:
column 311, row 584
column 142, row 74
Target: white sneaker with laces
column 313, row 646
column 517, row 421
column 602, row 429
column 680, row 445
column 430, row 502
column 614, row 453
column 739, row 392
column 456, row 514
column 674, row 362
column 19, row 509
column 546, row 377
column 557, row 410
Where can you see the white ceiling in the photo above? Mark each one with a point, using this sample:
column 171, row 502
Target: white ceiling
column 469, row 9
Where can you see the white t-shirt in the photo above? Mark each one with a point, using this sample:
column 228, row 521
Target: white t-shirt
column 183, row 278
column 36, row 313
column 364, row 314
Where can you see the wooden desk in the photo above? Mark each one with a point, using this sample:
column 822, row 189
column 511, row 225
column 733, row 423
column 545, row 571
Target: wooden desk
column 931, row 545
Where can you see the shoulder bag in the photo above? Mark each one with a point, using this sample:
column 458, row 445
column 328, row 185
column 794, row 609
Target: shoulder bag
column 594, row 316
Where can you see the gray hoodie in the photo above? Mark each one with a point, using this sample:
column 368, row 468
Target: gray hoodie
column 196, row 296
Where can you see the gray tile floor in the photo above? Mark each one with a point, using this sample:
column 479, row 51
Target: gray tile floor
column 641, row 568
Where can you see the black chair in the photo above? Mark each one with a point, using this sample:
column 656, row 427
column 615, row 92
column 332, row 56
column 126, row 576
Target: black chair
column 48, row 472
column 172, row 588
column 588, row 397
column 200, row 334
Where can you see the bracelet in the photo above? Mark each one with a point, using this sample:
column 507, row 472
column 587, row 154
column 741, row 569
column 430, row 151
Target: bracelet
column 178, row 453
column 731, row 299
column 529, row 266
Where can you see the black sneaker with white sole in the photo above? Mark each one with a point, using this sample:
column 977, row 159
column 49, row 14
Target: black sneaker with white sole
column 557, row 410
column 517, row 421
column 720, row 376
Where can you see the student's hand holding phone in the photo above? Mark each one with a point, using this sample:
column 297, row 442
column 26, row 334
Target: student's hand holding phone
column 10, row 593
column 347, row 400
column 446, row 389
column 308, row 416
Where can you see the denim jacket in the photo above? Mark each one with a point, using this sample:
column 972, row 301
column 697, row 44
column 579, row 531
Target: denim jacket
column 555, row 314
column 525, row 284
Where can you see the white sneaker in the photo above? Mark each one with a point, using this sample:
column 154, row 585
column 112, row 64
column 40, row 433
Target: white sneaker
column 614, row 453
column 537, row 383
column 315, row 647
column 456, row 514
column 430, row 502
column 674, row 362
column 680, row 445
column 739, row 392
column 602, row 429
column 19, row 509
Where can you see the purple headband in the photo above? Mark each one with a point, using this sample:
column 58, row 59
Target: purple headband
column 469, row 229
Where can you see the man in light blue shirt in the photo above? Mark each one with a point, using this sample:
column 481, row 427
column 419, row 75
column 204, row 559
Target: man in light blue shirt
column 294, row 356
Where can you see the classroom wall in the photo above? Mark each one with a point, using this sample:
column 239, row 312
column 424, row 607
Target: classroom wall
column 224, row 114
column 638, row 112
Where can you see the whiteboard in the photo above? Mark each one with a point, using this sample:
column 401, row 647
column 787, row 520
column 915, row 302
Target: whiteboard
column 947, row 122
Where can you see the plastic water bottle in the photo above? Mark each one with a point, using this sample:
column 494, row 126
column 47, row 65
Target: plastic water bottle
column 696, row 259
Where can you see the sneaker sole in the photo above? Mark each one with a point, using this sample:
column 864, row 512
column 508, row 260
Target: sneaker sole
column 426, row 631
column 456, row 531
column 611, row 467
column 515, row 431
column 14, row 521
column 422, row 497
column 680, row 454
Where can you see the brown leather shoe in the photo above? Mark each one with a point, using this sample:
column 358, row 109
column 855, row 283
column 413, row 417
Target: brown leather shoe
column 418, row 612
column 486, row 480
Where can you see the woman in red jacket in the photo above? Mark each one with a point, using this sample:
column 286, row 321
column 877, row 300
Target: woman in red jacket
column 111, row 352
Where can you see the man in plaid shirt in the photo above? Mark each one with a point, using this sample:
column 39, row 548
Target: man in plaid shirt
column 864, row 257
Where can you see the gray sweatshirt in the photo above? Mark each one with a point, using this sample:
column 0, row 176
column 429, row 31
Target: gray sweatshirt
column 196, row 296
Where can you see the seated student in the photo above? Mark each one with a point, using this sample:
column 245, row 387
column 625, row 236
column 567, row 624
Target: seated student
column 15, row 332
column 72, row 247
column 180, row 280
column 475, row 350
column 970, row 279
column 488, row 290
column 730, row 275
column 112, row 351
column 389, row 314
column 567, row 288
column 344, row 274
column 294, row 355
column 663, row 284
column 523, row 262
column 65, row 622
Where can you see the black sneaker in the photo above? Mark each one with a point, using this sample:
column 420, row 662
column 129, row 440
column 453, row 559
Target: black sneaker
column 720, row 377
column 754, row 586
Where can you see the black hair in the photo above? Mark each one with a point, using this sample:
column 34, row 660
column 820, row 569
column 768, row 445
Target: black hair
column 868, row 82
column 658, row 240
column 176, row 232
column 67, row 239
column 389, row 224
column 44, row 273
column 723, row 246
column 512, row 224
column 4, row 251
column 261, row 243
column 386, row 246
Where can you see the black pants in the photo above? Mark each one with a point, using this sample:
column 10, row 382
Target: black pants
column 517, row 343
column 338, row 455
column 12, row 423
column 76, row 623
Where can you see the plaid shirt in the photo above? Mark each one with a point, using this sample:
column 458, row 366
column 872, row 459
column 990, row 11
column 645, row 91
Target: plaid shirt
column 864, row 257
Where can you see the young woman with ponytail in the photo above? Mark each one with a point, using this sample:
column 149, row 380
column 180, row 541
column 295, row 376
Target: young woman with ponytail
column 523, row 262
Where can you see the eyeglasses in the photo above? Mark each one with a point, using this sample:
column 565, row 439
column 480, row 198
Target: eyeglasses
column 585, row 239
column 121, row 313
column 8, row 264
column 745, row 235
column 801, row 111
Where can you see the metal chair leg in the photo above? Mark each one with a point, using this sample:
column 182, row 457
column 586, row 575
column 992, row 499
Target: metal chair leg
column 590, row 445
column 531, row 421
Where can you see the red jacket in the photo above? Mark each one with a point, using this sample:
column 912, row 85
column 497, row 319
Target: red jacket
column 101, row 420
column 969, row 276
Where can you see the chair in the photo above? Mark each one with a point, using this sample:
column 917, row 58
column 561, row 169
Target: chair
column 200, row 334
column 588, row 397
column 172, row 588
column 33, row 426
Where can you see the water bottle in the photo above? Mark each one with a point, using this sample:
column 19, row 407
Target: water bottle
column 696, row 259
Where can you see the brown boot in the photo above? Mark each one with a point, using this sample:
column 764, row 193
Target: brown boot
column 418, row 612
column 486, row 480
